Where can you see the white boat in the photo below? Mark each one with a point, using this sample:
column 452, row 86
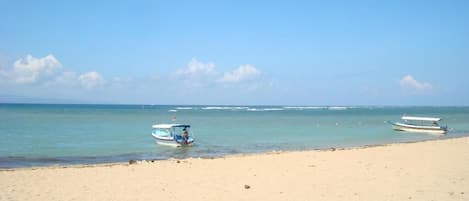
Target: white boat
column 420, row 125
column 172, row 134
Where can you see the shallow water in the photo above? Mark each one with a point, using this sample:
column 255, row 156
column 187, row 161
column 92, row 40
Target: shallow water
column 36, row 135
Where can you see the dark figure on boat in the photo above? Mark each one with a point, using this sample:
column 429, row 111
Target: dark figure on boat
column 185, row 136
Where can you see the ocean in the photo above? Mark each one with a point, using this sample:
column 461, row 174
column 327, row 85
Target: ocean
column 67, row 134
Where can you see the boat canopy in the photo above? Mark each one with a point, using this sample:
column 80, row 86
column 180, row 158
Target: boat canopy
column 167, row 126
column 420, row 118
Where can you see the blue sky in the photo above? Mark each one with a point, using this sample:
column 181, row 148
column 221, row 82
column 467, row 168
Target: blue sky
column 242, row 52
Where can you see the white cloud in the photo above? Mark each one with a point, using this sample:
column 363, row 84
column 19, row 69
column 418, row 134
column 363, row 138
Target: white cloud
column 198, row 74
column 242, row 73
column 196, row 68
column 409, row 83
column 48, row 71
column 91, row 80
column 30, row 70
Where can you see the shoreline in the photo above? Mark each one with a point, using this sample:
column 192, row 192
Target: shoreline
column 127, row 162
column 429, row 170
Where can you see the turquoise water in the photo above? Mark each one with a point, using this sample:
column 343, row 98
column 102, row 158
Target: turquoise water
column 36, row 135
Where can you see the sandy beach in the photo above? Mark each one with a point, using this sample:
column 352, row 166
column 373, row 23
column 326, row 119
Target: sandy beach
column 431, row 170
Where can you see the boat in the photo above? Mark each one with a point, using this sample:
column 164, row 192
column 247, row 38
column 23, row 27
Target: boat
column 176, row 135
column 420, row 125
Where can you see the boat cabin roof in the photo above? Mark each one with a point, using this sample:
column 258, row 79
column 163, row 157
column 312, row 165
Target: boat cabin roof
column 420, row 118
column 167, row 126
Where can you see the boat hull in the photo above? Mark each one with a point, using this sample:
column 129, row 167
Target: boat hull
column 168, row 141
column 420, row 129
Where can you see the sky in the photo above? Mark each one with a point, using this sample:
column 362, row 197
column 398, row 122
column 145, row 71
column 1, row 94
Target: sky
column 235, row 52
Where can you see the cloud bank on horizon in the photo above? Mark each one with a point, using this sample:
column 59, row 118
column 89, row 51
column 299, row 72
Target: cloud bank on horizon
column 48, row 73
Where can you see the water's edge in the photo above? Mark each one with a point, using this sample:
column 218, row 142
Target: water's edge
column 68, row 162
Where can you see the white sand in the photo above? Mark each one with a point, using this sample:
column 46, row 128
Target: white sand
column 432, row 170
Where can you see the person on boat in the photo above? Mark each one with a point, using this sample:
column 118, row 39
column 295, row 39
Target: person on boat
column 185, row 135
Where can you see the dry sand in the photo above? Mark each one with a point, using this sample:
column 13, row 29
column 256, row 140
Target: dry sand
column 432, row 170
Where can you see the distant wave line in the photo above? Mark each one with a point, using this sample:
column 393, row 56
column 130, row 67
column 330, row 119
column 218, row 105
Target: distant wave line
column 184, row 108
column 265, row 109
column 225, row 108
column 260, row 108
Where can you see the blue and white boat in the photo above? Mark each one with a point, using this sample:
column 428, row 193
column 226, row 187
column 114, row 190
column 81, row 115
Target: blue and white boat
column 176, row 135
